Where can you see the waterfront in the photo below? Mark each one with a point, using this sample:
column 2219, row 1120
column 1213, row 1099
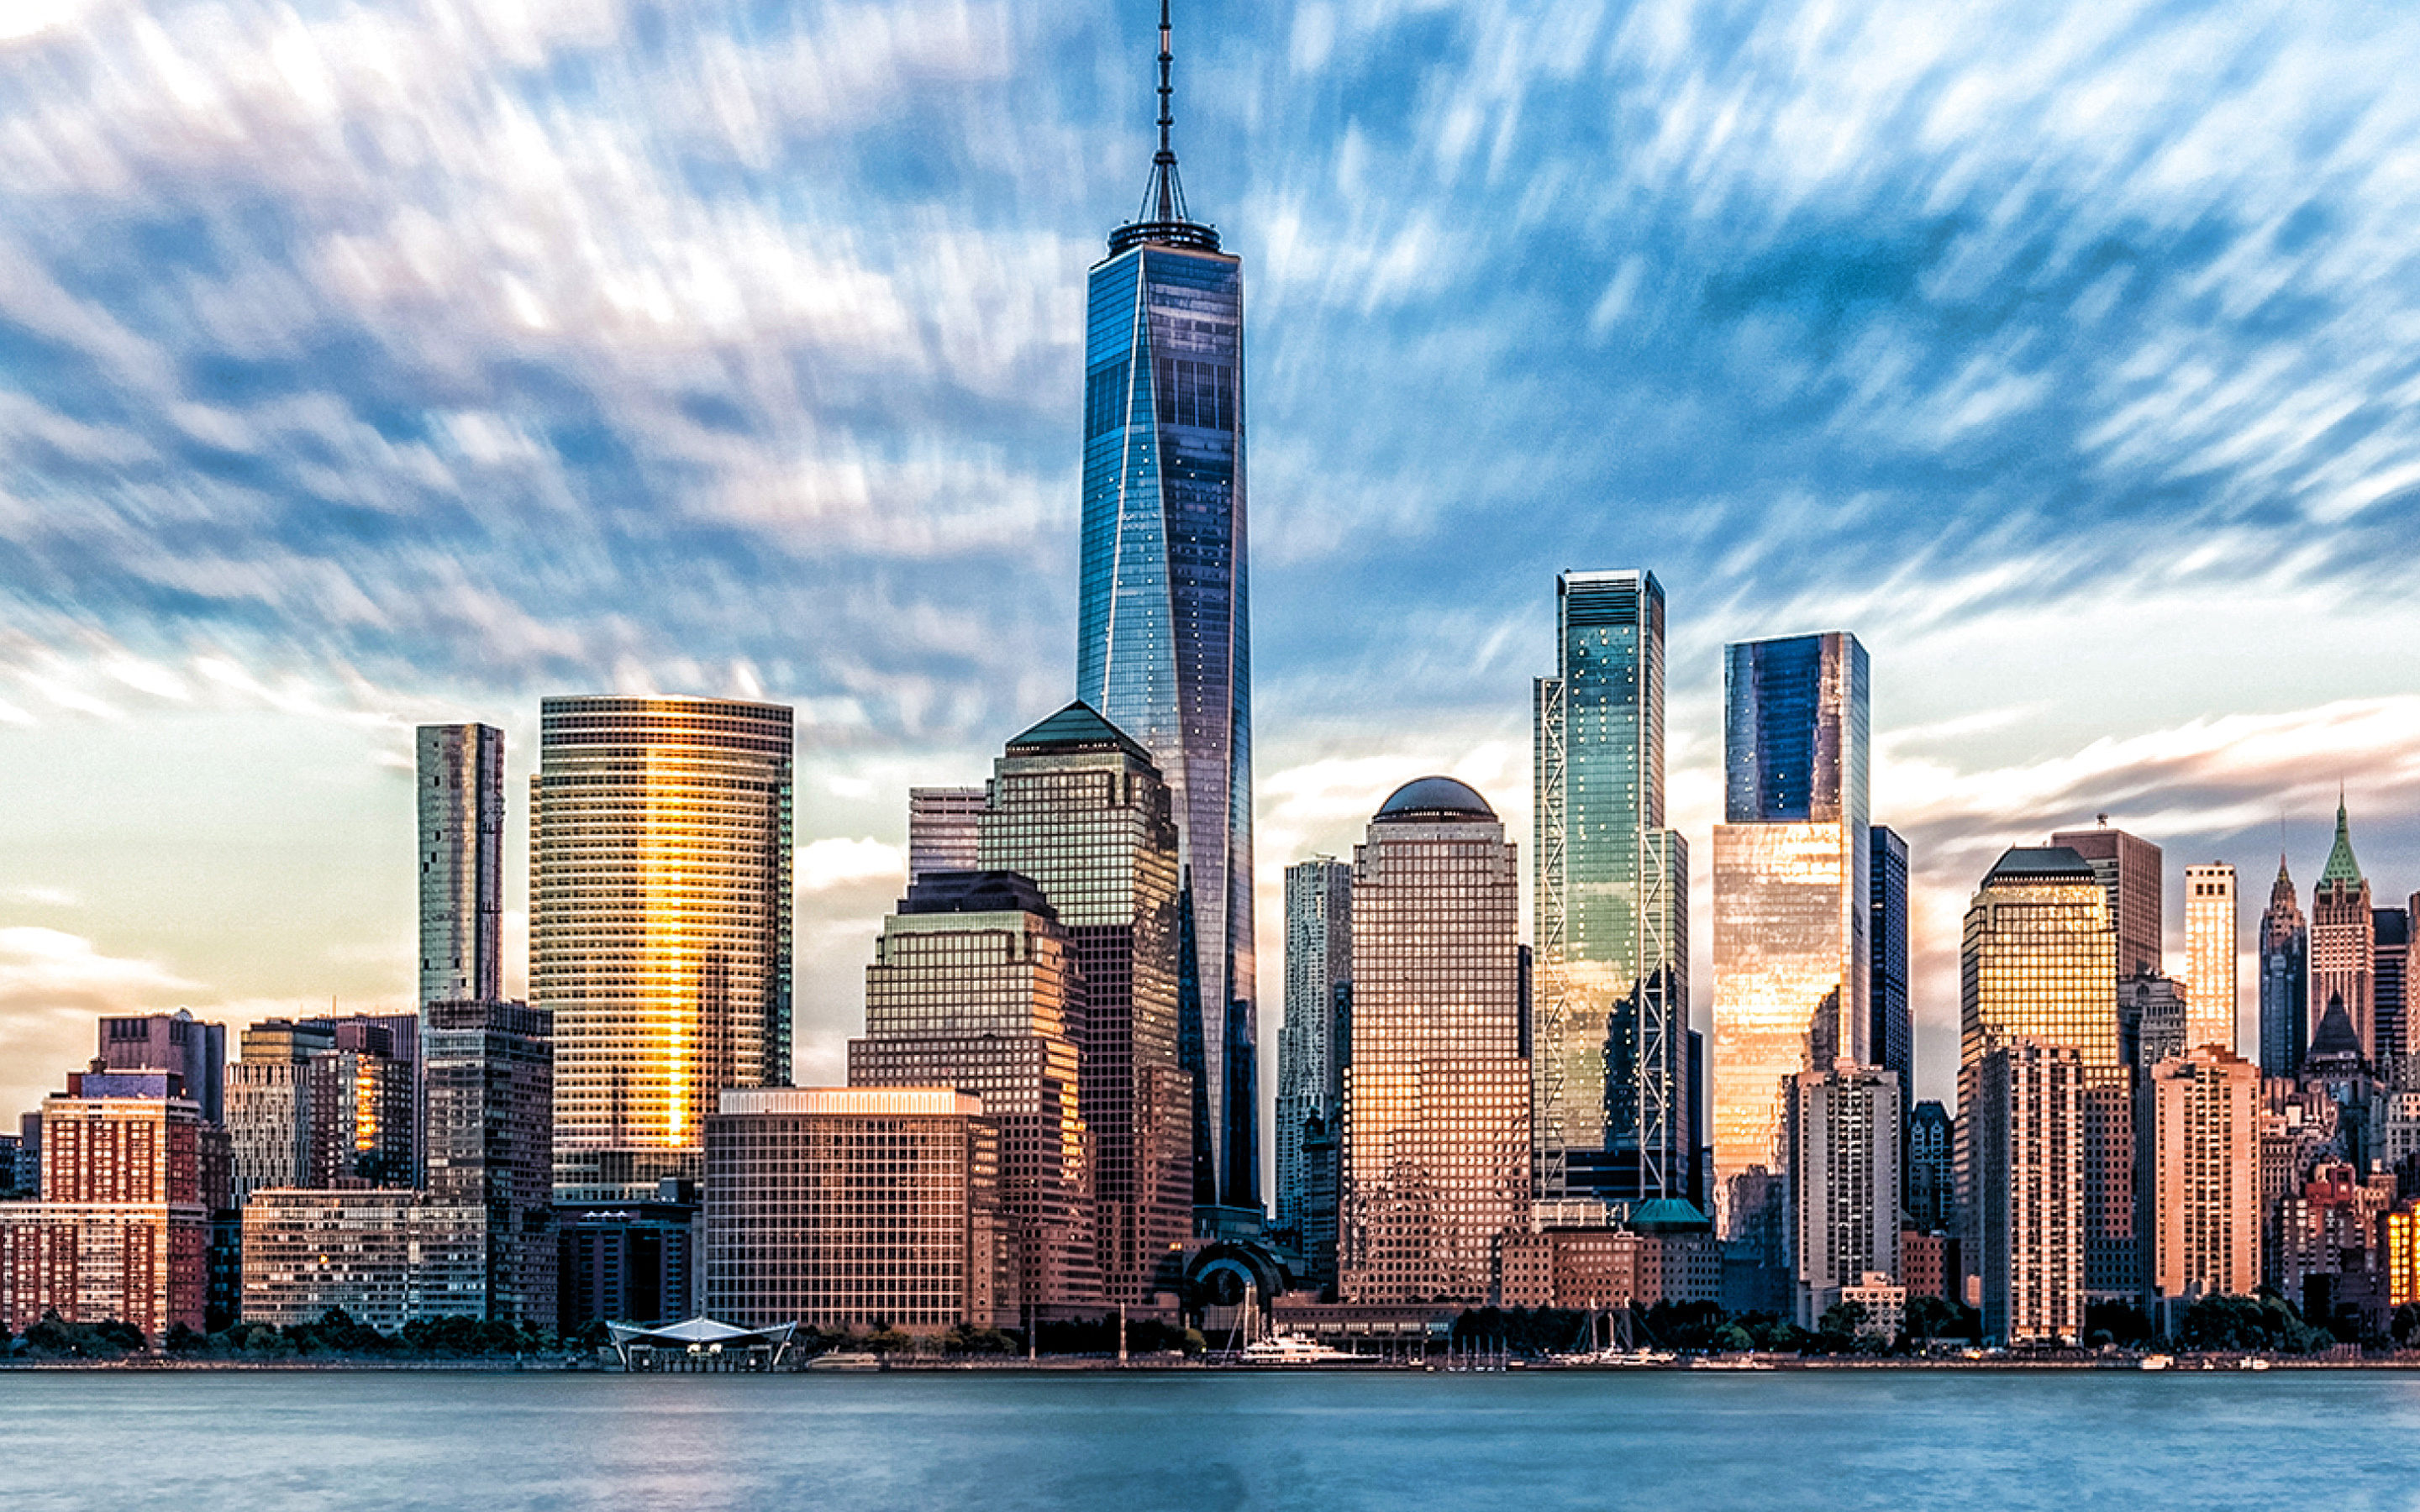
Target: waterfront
column 263, row 1441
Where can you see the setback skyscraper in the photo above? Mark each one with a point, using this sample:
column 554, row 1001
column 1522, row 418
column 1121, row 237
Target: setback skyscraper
column 659, row 926
column 2285, row 980
column 2344, row 945
column 1163, row 632
column 462, row 786
column 1792, row 888
column 1611, row 1104
column 2131, row 871
column 1318, row 995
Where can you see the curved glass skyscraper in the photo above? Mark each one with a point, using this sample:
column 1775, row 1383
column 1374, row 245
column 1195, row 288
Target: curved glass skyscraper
column 1163, row 644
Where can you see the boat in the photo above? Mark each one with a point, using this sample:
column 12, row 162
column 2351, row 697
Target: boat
column 1291, row 1348
column 1728, row 1362
column 2158, row 1362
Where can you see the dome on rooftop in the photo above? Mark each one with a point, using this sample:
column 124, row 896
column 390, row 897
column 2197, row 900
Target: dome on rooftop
column 1432, row 798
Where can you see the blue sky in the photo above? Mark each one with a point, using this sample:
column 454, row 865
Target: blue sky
column 363, row 364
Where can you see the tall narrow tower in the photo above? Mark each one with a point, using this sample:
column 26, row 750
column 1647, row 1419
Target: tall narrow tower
column 1163, row 646
column 2344, row 942
column 461, row 811
column 2210, row 956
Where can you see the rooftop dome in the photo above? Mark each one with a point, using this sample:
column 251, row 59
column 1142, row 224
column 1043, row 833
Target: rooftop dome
column 1433, row 798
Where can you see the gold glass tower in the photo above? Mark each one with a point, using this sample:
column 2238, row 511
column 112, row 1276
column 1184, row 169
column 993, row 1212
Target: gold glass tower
column 659, row 925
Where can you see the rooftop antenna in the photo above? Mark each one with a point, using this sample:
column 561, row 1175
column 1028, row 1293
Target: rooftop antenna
column 1164, row 217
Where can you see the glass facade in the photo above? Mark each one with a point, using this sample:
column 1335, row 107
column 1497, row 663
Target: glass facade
column 1611, row 1103
column 1892, row 1031
column 1794, row 890
column 2285, row 980
column 1318, row 984
column 491, row 1074
column 2133, row 873
column 1436, row 1093
column 1080, row 810
column 461, row 812
column 1163, row 646
column 659, row 925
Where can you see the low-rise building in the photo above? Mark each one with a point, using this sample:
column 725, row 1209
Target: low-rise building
column 1885, row 1304
column 386, row 1256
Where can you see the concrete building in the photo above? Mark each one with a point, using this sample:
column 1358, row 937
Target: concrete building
column 2026, row 1112
column 1310, row 1076
column 383, row 1254
column 1844, row 1182
column 1929, row 1264
column 944, row 831
column 302, row 1110
column 842, row 1207
column 659, row 925
column 1793, row 892
column 2285, row 980
column 974, row 985
column 2210, row 956
column 1081, row 808
column 2132, row 875
column 2344, row 950
column 1436, row 1081
column 2154, row 1021
column 2198, row 1120
column 1664, row 1252
column 171, row 1042
column 2326, row 1234
column 1882, row 1299
column 491, row 1143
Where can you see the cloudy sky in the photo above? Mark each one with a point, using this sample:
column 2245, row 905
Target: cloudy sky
column 363, row 364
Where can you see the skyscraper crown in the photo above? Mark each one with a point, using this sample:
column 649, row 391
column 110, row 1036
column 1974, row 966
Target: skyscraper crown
column 2341, row 867
column 1163, row 218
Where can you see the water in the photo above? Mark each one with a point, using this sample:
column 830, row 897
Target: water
column 2344, row 1440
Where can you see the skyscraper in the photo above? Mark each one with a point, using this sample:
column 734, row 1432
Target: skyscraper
column 2199, row 1129
column 1318, row 984
column 2210, row 956
column 1844, row 1182
column 1792, row 887
column 2285, row 980
column 2390, row 984
column 1931, row 1171
column 1611, row 1101
column 1163, row 631
column 2023, row 1112
column 461, row 787
column 172, row 1042
column 1437, row 1091
column 2344, row 946
column 2131, row 871
column 2038, row 966
column 1079, row 808
column 944, row 831
column 659, row 925
column 490, row 1082
column 974, row 986
column 1892, row 1034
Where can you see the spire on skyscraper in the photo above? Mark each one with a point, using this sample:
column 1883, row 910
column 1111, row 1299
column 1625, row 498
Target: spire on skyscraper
column 2341, row 867
column 1163, row 217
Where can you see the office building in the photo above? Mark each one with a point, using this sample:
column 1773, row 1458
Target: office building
column 460, row 772
column 385, row 1255
column 2285, row 980
column 659, row 925
column 2390, row 935
column 2210, row 956
column 2199, row 1125
column 944, row 831
column 1931, row 1167
column 2023, row 1109
column 1844, row 1182
column 320, row 1103
column 974, row 985
column 1080, row 810
column 1664, row 1252
column 845, row 1207
column 2344, row 958
column 1891, row 1034
column 2133, row 874
column 1163, row 630
column 130, row 1173
column 1437, row 1089
column 1611, row 1105
column 2037, row 964
column 2152, row 1019
column 1311, row 1083
column 629, row 1262
column 1793, row 890
column 175, row 1042
column 490, row 1072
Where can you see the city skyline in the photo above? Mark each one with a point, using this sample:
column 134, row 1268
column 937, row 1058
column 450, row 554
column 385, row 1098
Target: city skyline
column 210, row 760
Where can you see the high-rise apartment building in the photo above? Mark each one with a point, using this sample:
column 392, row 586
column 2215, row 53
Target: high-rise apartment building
column 2210, row 956
column 2023, row 1111
column 490, row 1143
column 659, row 925
column 1931, row 1167
column 2344, row 950
column 2390, row 936
column 2037, row 964
column 2198, row 1125
column 1310, row 1082
column 2285, row 980
column 1163, row 632
column 974, row 985
column 1081, row 808
column 1436, row 1088
column 1844, row 1182
column 321, row 1103
column 1612, row 1104
column 1891, row 1033
column 462, row 814
column 385, row 1255
column 841, row 1207
column 944, row 831
column 1792, row 888
column 175, row 1042
column 2132, row 872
